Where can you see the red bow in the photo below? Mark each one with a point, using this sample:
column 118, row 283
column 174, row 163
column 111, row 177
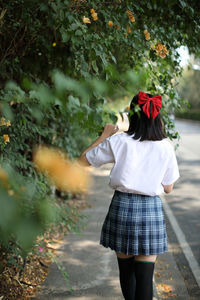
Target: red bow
column 156, row 103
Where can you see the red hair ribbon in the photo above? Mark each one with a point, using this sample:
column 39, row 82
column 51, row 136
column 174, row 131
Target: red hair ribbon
column 156, row 103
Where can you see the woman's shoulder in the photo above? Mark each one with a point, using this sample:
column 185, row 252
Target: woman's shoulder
column 165, row 145
column 118, row 139
column 119, row 136
column 123, row 136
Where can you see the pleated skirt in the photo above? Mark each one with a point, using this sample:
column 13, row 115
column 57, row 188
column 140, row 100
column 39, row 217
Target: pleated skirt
column 135, row 224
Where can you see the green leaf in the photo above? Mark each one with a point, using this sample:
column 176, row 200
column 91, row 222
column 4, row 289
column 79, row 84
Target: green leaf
column 94, row 65
column 183, row 3
column 65, row 36
column 73, row 102
column 6, row 111
column 78, row 32
column 74, row 26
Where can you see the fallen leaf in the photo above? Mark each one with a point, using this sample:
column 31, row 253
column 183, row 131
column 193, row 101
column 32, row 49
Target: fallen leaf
column 167, row 288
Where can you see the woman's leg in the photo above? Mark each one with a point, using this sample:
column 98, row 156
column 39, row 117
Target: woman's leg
column 127, row 275
column 144, row 268
column 122, row 255
column 150, row 258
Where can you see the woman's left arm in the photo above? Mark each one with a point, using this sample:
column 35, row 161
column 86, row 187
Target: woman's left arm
column 109, row 130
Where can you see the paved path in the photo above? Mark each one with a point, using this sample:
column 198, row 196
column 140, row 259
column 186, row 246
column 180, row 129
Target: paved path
column 93, row 270
column 184, row 203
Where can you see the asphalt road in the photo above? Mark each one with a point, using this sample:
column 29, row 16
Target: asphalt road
column 93, row 269
column 184, row 203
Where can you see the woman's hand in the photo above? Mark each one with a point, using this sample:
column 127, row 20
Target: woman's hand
column 109, row 130
column 168, row 188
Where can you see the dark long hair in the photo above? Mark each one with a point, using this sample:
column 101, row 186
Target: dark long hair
column 144, row 128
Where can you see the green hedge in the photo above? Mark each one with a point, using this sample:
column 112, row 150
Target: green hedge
column 190, row 115
column 67, row 109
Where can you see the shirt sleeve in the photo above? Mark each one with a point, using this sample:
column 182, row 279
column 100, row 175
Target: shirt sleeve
column 172, row 171
column 101, row 154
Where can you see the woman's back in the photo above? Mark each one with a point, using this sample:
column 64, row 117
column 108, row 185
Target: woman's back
column 139, row 167
column 144, row 162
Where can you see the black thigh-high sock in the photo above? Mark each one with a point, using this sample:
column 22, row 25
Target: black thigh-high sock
column 127, row 277
column 144, row 280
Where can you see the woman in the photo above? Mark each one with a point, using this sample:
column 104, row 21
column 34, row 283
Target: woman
column 145, row 166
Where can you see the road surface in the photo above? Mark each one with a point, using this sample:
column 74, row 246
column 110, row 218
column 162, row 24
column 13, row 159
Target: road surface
column 93, row 269
column 184, row 203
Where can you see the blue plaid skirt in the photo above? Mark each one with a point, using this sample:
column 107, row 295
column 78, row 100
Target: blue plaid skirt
column 135, row 224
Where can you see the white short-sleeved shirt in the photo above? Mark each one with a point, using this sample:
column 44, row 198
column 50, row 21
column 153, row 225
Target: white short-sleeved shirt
column 139, row 167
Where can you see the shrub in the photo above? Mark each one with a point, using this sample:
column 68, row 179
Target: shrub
column 190, row 114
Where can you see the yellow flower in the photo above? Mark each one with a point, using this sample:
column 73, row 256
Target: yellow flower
column 6, row 138
column 132, row 19
column 8, row 123
column 11, row 103
column 54, row 44
column 162, row 55
column 147, row 35
column 94, row 16
column 166, row 51
column 86, row 20
column 129, row 13
column 92, row 11
column 65, row 174
column 110, row 23
column 161, row 50
column 3, row 176
column 2, row 122
column 11, row 192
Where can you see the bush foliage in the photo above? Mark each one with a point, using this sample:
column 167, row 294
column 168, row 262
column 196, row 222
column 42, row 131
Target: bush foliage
column 61, row 61
column 189, row 115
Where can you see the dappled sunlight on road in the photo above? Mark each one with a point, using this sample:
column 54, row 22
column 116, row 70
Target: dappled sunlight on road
column 76, row 262
column 84, row 244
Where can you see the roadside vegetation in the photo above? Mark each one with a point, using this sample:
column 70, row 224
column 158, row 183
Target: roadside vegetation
column 61, row 64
